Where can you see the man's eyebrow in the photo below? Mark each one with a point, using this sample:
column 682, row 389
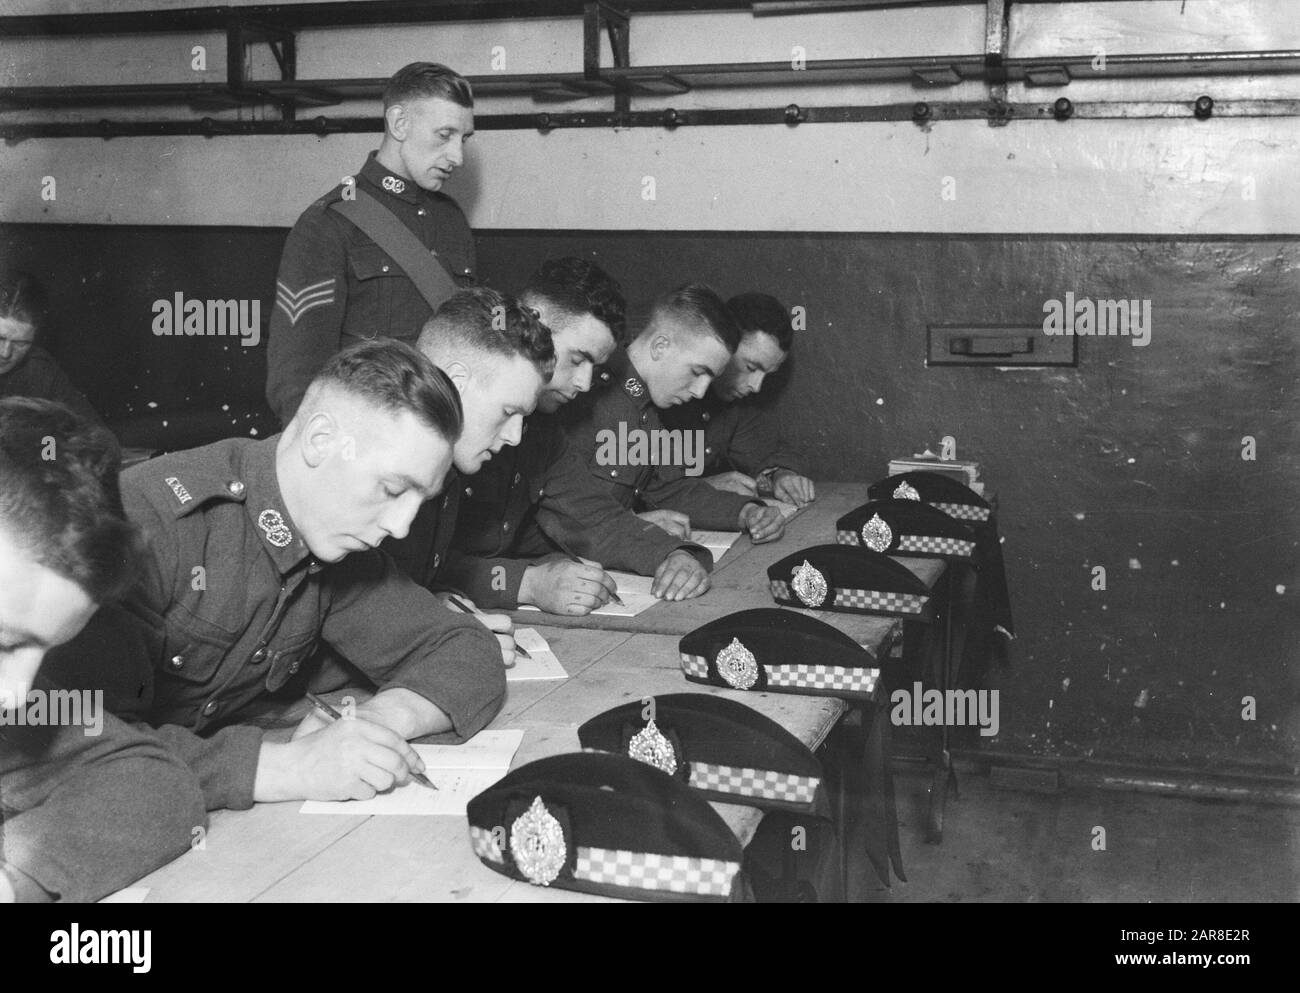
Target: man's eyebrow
column 428, row 492
column 587, row 356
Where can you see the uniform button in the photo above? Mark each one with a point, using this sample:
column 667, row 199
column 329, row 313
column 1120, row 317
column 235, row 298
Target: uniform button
column 467, row 271
column 708, row 449
column 637, row 491
column 259, row 656
column 704, row 416
column 643, row 417
column 604, row 377
column 178, row 661
column 469, row 491
column 505, row 526
column 210, row 708
column 613, row 472
column 421, row 211
column 383, row 268
column 437, row 561
column 235, row 488
column 541, row 493
column 517, row 478
column 293, row 668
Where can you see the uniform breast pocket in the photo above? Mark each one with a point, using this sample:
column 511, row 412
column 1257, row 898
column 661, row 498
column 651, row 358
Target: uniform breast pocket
column 194, row 647
column 287, row 657
column 621, row 480
column 377, row 286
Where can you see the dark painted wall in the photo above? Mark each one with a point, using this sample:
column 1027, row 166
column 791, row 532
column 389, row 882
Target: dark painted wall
column 1131, row 461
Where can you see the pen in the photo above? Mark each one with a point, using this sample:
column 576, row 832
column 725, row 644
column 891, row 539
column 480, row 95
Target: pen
column 334, row 715
column 465, row 608
column 613, row 596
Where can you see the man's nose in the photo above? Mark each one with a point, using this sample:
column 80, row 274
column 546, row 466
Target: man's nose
column 456, row 152
column 6, row 348
column 397, row 516
column 513, row 431
column 582, row 381
column 700, row 387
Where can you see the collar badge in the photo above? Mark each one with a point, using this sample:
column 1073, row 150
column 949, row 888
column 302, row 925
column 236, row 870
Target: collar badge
column 277, row 532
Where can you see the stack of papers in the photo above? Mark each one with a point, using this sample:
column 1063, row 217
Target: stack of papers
column 717, row 542
column 461, row 772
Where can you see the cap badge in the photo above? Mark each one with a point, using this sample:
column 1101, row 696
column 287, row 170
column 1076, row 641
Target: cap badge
column 634, row 388
column 277, row 532
column 809, row 585
column 393, row 185
column 537, row 844
column 876, row 534
column 906, row 491
column 737, row 666
column 651, row 747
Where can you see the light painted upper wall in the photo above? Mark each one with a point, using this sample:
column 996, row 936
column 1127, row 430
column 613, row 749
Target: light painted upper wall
column 1224, row 176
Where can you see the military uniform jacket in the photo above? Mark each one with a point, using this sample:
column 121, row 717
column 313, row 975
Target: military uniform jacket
column 741, row 435
column 336, row 286
column 527, row 502
column 236, row 604
column 86, row 814
column 424, row 551
column 626, row 401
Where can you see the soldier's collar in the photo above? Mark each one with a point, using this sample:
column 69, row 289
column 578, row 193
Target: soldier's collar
column 265, row 507
column 389, row 183
column 624, row 376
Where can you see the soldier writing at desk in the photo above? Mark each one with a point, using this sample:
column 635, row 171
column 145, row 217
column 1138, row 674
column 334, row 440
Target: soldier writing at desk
column 260, row 549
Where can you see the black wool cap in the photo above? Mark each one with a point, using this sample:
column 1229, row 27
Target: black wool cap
column 905, row 527
column 720, row 747
column 954, row 498
column 849, row 579
column 605, row 824
column 781, row 652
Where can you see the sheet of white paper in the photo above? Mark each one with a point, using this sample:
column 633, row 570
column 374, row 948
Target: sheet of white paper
column 460, row 772
column 717, row 542
column 542, row 665
column 132, row 894
column 634, row 591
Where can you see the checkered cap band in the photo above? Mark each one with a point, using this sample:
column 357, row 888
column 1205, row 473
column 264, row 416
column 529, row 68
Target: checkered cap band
column 847, row 538
column 651, row 871
column 485, row 846
column 695, row 665
column 823, row 677
column 763, row 783
column 964, row 511
column 895, row 603
column 935, row 545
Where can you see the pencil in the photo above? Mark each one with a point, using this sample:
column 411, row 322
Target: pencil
column 465, row 608
column 334, row 715
column 613, row 596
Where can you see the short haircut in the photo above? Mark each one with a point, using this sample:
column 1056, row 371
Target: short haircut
column 421, row 80
column 392, row 376
column 578, row 288
column 487, row 320
column 760, row 312
column 59, row 496
column 698, row 305
column 22, row 297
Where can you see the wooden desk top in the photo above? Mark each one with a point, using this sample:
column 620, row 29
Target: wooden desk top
column 273, row 853
column 740, row 580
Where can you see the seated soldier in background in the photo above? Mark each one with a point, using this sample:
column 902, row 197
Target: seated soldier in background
column 744, row 451
column 258, row 549
column 27, row 369
column 684, row 347
column 87, row 804
column 499, row 556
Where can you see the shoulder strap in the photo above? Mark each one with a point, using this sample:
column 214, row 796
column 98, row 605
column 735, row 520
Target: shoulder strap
column 381, row 226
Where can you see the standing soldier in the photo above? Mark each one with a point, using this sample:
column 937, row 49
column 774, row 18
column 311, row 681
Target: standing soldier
column 378, row 253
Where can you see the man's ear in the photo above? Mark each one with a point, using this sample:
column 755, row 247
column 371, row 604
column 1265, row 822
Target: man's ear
column 396, row 122
column 660, row 345
column 320, row 436
column 458, row 372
